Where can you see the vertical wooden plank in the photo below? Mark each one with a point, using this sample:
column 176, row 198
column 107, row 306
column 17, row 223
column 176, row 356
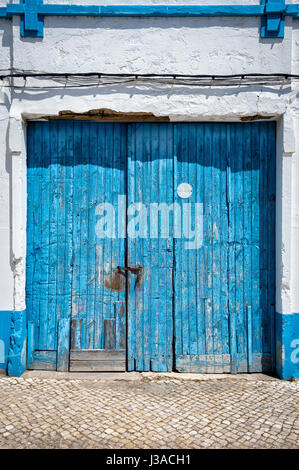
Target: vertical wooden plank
column 271, row 228
column 131, row 249
column 247, row 185
column 184, row 160
column 191, row 253
column 63, row 345
column 150, row 303
column 272, row 336
column 264, row 332
column 120, row 325
column 60, row 228
column 76, row 242
column 43, row 255
column 30, row 342
column 223, row 239
column 208, row 236
column 140, row 168
column 106, row 196
column 231, row 247
column 100, row 243
column 249, row 338
column 239, row 248
column 76, row 333
column 169, row 250
column 84, row 235
column 53, row 162
column 109, row 333
column 199, row 191
column 216, row 262
column 91, row 150
column 256, row 221
column 147, row 248
column 31, row 226
column 37, row 220
column 68, row 163
column 178, row 321
column 182, row 258
column 165, row 248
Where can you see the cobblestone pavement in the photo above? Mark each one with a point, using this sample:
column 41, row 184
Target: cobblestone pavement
column 149, row 412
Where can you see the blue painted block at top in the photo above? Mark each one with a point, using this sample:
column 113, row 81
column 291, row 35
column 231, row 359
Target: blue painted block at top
column 272, row 24
column 32, row 24
column 5, row 323
column 287, row 345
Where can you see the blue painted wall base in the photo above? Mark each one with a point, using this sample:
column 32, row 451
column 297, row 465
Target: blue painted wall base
column 17, row 348
column 13, row 334
column 5, row 324
column 287, row 345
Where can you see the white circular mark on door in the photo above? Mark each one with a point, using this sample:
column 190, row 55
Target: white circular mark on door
column 184, row 190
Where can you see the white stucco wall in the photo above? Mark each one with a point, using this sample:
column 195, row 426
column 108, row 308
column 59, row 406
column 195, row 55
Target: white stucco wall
column 152, row 45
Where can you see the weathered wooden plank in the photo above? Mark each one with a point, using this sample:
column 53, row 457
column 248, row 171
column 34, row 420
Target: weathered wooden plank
column 150, row 162
column 216, row 262
column 97, row 355
column 30, row 343
column 120, row 321
column 256, row 222
column 190, row 164
column 223, row 240
column 76, row 333
column 249, row 338
column 199, row 192
column 35, row 206
column 109, row 333
column 46, row 340
column 97, row 366
column 231, row 249
column 247, row 169
column 238, row 168
column 43, row 360
column 261, row 362
column 90, row 146
column 53, row 168
column 202, row 363
column 208, row 237
column 63, row 345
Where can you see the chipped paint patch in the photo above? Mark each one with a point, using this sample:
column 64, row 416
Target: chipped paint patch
column 105, row 114
column 17, row 349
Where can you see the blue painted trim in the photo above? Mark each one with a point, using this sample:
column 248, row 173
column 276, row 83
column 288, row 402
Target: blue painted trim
column 32, row 12
column 32, row 23
column 287, row 345
column 272, row 24
column 18, row 340
column 5, row 323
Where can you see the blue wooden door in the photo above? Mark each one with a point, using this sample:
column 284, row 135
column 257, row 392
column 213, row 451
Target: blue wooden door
column 224, row 288
column 75, row 295
column 151, row 246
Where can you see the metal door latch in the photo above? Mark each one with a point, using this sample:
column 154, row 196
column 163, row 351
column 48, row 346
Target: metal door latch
column 134, row 269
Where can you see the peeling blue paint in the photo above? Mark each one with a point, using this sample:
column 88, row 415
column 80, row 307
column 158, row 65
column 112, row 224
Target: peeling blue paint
column 32, row 12
column 5, row 321
column 17, row 348
column 287, row 345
